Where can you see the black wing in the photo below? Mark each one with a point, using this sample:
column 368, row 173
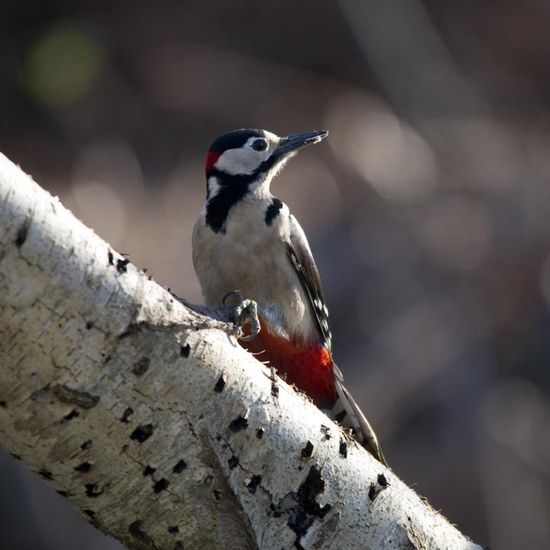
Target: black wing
column 345, row 409
column 301, row 258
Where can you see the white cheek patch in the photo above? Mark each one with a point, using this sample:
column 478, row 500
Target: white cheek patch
column 245, row 159
column 239, row 161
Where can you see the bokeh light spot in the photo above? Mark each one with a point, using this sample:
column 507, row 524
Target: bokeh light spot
column 384, row 150
column 62, row 65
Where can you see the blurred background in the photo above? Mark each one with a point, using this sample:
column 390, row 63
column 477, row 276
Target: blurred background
column 428, row 209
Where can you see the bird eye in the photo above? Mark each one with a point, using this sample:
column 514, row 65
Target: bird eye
column 259, row 145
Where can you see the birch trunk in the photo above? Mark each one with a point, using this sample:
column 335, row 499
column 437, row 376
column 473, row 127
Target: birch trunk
column 155, row 424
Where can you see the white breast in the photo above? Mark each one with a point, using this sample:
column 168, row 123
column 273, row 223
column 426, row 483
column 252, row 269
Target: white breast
column 251, row 257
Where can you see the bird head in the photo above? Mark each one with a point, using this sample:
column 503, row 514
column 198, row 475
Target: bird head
column 248, row 159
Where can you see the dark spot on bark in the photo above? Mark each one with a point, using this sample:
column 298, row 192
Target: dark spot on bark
column 22, row 234
column 185, row 350
column 83, row 468
column 302, row 507
column 373, row 493
column 68, row 417
column 82, row 399
column 274, row 389
column 136, row 530
column 86, row 445
column 313, row 486
column 173, row 530
column 121, row 265
column 382, row 481
column 191, row 429
column 92, row 516
column 128, row 412
column 89, row 325
column 110, row 258
column 45, row 474
column 217, row 494
column 142, row 433
column 39, row 396
column 160, row 485
column 240, row 423
column 260, row 433
column 16, row 456
column 307, row 451
column 343, row 448
column 178, row 545
column 92, row 490
column 179, row 467
column 376, row 488
column 220, row 384
column 233, row 462
column 62, row 493
column 3, row 404
column 107, row 359
column 148, row 470
column 253, row 484
column 209, row 479
column 326, row 432
column 140, row 368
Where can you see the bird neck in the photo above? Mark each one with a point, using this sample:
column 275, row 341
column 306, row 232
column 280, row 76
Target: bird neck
column 223, row 191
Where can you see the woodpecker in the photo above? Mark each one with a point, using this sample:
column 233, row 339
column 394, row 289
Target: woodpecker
column 245, row 238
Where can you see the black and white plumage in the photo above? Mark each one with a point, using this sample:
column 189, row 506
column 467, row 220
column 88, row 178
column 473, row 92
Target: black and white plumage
column 247, row 239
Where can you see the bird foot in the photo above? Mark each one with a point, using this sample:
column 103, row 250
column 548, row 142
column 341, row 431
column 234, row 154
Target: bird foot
column 246, row 313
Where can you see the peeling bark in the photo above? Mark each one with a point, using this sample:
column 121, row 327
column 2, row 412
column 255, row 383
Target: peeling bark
column 149, row 417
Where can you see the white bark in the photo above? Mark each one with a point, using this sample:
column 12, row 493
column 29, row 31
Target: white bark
column 153, row 421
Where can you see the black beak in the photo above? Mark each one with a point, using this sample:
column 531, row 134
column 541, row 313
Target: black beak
column 294, row 142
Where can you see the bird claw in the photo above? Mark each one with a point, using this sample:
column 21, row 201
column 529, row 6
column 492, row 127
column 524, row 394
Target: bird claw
column 246, row 313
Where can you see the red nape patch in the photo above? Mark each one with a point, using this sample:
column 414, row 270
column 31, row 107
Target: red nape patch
column 211, row 159
column 307, row 366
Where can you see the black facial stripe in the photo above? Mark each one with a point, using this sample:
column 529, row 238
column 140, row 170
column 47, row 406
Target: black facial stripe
column 217, row 208
column 234, row 180
column 233, row 187
column 234, row 140
column 272, row 211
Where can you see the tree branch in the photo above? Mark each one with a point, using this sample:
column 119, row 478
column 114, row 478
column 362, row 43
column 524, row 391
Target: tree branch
column 155, row 424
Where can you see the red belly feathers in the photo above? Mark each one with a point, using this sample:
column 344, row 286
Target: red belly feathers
column 307, row 366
